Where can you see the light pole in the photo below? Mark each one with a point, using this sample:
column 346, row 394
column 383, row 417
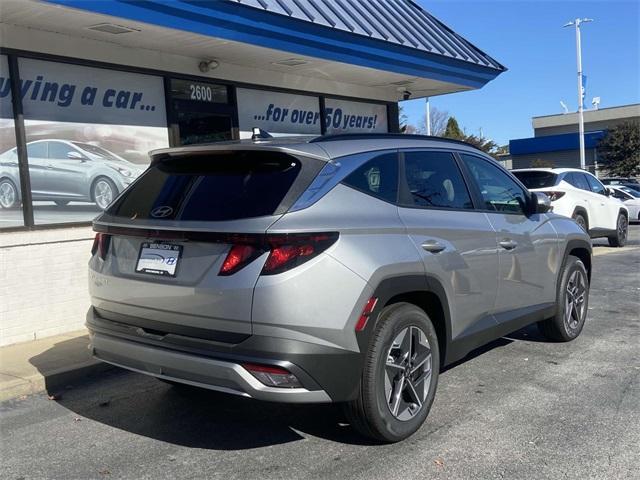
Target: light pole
column 576, row 23
column 428, row 116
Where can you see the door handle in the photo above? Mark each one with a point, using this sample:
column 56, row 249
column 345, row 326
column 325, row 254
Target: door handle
column 508, row 244
column 433, row 246
column 49, row 166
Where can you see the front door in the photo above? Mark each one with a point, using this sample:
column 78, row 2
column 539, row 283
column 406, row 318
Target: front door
column 527, row 243
column 67, row 169
column 200, row 112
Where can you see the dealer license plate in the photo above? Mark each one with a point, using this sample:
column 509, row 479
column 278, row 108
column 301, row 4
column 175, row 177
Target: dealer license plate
column 159, row 259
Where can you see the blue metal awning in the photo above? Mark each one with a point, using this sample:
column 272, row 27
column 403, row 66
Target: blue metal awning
column 390, row 35
column 401, row 22
column 554, row 143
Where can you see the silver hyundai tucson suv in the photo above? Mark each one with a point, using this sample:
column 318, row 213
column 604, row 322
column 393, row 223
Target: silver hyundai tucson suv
column 346, row 268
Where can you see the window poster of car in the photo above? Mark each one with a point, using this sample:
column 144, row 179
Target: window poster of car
column 9, row 215
column 277, row 113
column 343, row 116
column 89, row 131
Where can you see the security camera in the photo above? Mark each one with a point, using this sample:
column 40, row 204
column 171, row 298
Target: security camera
column 206, row 65
column 406, row 95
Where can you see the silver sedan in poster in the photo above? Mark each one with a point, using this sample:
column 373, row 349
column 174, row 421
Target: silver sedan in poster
column 65, row 171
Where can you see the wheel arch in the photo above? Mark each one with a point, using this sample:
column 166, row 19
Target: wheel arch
column 580, row 249
column 582, row 211
column 422, row 291
column 625, row 212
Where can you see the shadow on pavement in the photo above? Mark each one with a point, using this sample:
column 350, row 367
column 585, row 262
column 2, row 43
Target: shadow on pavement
column 193, row 417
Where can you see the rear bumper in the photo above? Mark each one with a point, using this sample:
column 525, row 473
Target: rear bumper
column 326, row 374
column 202, row 372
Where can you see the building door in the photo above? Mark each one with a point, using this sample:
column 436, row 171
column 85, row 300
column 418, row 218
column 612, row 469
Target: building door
column 200, row 112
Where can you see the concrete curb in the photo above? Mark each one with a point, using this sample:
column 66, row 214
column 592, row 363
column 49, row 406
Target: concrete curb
column 48, row 364
column 53, row 383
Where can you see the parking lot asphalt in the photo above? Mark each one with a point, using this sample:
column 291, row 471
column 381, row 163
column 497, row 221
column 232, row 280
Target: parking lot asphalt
column 520, row 408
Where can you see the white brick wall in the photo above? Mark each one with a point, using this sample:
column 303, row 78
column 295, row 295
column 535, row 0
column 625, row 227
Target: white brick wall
column 43, row 282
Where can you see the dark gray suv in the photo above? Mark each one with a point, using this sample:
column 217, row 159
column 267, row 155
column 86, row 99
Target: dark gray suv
column 334, row 269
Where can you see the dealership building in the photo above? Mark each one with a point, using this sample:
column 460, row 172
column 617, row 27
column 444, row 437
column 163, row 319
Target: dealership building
column 89, row 87
column 556, row 141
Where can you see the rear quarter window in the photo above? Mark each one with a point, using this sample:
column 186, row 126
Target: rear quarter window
column 378, row 177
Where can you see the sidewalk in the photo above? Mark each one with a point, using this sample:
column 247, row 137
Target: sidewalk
column 48, row 364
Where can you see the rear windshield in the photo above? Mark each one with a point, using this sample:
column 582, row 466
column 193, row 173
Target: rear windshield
column 536, row 179
column 216, row 187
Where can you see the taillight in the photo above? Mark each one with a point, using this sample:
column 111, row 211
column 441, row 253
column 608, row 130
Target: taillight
column 553, row 196
column 286, row 251
column 273, row 376
column 289, row 251
column 101, row 245
column 238, row 257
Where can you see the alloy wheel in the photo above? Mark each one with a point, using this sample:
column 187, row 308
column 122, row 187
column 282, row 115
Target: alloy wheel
column 622, row 229
column 407, row 373
column 103, row 193
column 7, row 195
column 575, row 299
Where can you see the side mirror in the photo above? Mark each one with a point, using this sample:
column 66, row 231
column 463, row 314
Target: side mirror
column 610, row 191
column 541, row 202
column 73, row 155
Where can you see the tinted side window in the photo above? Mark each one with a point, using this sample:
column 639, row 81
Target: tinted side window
column 499, row 191
column 434, row 180
column 37, row 150
column 595, row 185
column 59, row 150
column 577, row 180
column 378, row 177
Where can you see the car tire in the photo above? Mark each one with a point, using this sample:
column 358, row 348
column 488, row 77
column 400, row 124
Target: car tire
column 572, row 303
column 581, row 220
column 62, row 203
column 8, row 194
column 622, row 230
column 103, row 192
column 388, row 407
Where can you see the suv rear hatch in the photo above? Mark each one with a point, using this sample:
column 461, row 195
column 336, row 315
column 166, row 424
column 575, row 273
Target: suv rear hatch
column 164, row 258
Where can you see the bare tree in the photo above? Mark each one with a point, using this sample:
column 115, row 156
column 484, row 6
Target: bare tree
column 438, row 121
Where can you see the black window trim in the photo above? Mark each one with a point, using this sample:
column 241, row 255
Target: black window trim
column 476, row 190
column 403, row 194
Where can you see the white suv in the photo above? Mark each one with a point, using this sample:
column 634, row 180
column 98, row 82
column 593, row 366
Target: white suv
column 578, row 194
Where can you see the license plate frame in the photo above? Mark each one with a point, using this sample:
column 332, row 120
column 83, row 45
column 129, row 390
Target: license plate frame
column 159, row 259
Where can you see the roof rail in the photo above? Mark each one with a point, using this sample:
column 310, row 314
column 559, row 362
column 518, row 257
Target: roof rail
column 403, row 136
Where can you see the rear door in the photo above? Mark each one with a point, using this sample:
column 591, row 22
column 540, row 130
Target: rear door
column 188, row 212
column 456, row 242
column 528, row 245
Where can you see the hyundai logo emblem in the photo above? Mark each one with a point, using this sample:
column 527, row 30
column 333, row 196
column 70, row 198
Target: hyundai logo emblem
column 161, row 212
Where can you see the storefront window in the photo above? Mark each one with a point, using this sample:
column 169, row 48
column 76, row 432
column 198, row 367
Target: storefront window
column 277, row 113
column 88, row 132
column 342, row 116
column 10, row 211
